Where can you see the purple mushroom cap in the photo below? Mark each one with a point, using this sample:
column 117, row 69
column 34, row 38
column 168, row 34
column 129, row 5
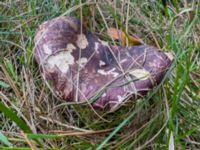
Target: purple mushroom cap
column 84, row 68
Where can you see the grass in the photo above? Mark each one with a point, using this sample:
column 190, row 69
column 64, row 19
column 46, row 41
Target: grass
column 31, row 117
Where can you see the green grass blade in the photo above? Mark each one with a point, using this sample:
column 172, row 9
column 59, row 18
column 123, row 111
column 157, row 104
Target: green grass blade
column 10, row 114
column 14, row 148
column 11, row 69
column 121, row 125
column 24, row 148
column 43, row 136
column 4, row 85
column 4, row 139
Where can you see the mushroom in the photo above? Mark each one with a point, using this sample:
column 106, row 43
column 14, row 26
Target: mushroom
column 84, row 68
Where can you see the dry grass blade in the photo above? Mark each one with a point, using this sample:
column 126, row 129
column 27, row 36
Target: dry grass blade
column 11, row 82
column 168, row 118
column 75, row 133
column 29, row 142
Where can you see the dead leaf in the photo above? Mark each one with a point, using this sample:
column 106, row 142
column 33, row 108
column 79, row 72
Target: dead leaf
column 121, row 36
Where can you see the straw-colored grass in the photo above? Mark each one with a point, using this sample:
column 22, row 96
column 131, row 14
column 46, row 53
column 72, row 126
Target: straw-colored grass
column 32, row 117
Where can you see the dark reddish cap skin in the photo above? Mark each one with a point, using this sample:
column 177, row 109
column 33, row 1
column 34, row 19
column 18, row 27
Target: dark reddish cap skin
column 84, row 68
